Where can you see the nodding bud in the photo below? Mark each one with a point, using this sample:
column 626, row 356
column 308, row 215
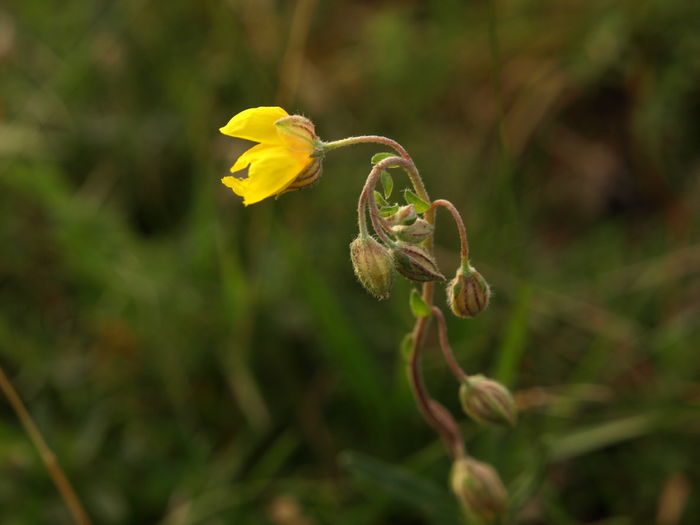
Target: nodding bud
column 487, row 401
column 308, row 177
column 468, row 293
column 373, row 265
column 297, row 133
column 405, row 215
column 414, row 233
column 479, row 488
column 414, row 263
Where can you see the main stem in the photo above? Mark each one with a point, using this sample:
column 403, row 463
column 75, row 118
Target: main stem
column 442, row 421
column 49, row 459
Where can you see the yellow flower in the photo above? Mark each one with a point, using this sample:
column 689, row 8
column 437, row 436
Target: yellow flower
column 282, row 161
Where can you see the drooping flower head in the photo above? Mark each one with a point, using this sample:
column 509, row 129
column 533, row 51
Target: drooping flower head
column 287, row 157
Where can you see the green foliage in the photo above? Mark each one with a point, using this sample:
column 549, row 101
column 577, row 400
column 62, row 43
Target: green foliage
column 419, row 307
column 419, row 204
column 387, row 183
column 190, row 360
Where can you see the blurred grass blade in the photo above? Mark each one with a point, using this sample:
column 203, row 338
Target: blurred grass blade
column 584, row 441
column 513, row 345
column 425, row 495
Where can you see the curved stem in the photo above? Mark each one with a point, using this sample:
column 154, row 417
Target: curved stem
column 47, row 456
column 464, row 253
column 366, row 200
column 410, row 167
column 362, row 213
column 364, row 139
column 445, row 346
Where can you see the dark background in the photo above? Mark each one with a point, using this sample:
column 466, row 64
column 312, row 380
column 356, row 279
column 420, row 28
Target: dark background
column 190, row 360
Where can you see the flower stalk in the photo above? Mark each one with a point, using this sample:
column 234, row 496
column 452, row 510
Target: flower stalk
column 403, row 244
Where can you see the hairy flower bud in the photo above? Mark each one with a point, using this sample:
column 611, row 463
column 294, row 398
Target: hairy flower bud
column 468, row 293
column 404, row 216
column 414, row 233
column 479, row 488
column 414, row 263
column 487, row 401
column 298, row 133
column 373, row 265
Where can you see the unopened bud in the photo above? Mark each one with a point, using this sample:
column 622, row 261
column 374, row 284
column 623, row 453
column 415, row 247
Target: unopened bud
column 404, row 216
column 297, row 133
column 468, row 293
column 373, row 265
column 479, row 488
column 415, row 263
column 487, row 401
column 414, row 233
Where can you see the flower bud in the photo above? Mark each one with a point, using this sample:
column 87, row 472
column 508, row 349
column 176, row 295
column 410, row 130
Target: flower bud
column 308, row 177
column 468, row 293
column 297, row 133
column 414, row 233
column 405, row 215
column 479, row 488
column 414, row 263
column 373, row 265
column 487, row 401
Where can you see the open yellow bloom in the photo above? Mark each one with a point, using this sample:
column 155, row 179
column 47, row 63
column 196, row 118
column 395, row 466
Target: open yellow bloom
column 282, row 161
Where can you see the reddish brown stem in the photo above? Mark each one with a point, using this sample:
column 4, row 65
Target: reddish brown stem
column 464, row 252
column 445, row 346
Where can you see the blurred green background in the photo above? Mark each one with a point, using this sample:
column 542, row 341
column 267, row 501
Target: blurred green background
column 190, row 360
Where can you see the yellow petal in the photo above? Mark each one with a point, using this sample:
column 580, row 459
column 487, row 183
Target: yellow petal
column 244, row 160
column 272, row 169
column 257, row 124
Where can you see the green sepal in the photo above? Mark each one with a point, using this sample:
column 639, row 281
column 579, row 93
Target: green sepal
column 419, row 307
column 419, row 204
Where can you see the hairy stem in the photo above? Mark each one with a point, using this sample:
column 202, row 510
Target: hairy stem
column 445, row 346
column 367, row 200
column 47, row 456
column 464, row 251
column 365, row 139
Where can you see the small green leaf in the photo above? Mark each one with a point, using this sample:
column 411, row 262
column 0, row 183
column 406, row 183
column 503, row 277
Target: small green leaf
column 387, row 183
column 419, row 307
column 379, row 199
column 388, row 211
column 378, row 157
column 419, row 204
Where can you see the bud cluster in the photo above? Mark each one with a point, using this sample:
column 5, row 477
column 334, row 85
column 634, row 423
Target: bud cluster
column 401, row 247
